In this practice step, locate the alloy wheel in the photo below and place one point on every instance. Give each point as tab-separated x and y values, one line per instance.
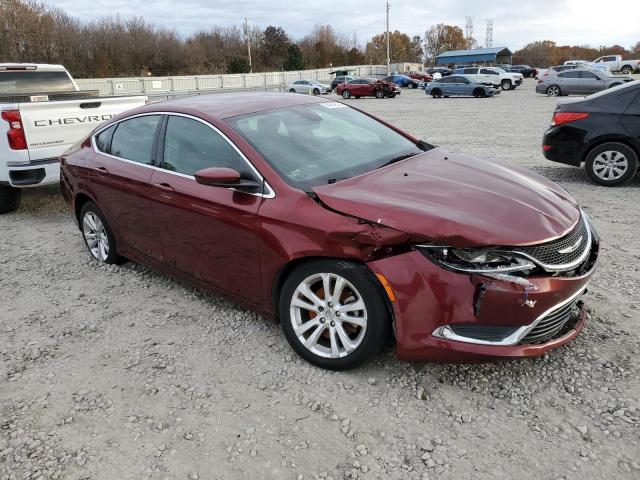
328	315
96	236
610	165
553	91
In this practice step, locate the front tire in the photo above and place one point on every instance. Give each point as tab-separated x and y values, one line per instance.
626	70
505	85
292	90
554	91
9	199
97	235
436	93
316	91
479	93
333	314
346	94
611	164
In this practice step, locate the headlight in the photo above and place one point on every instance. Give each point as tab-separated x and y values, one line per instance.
476	260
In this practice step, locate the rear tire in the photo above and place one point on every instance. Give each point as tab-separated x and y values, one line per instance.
97	235
626	70
9	199
379	93
436	93
554	91
327	321
611	164
346	94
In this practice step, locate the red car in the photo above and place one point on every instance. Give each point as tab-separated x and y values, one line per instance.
338	225
367	87
420	76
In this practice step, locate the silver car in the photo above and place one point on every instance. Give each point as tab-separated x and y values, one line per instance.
578	81
308	86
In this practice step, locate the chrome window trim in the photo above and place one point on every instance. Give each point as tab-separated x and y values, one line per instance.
269	192
445	331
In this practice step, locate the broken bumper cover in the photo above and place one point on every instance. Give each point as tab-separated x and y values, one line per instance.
430	300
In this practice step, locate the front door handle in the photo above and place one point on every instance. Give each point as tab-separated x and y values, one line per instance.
165	187
102	170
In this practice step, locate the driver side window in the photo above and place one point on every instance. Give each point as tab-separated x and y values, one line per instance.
190	145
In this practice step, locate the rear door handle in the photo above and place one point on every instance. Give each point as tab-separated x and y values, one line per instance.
165	187
101	170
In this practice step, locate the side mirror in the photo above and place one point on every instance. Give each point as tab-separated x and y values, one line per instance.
225	177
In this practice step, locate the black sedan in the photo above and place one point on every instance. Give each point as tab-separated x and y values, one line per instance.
525	70
444	71
602	130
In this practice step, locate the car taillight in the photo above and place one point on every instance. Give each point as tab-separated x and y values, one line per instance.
560	118
15	134
540	81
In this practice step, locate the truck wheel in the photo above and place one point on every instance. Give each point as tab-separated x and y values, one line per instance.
611	164
506	85
626	70
9	198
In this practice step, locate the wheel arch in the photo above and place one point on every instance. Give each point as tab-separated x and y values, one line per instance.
78	202
608	139
283	273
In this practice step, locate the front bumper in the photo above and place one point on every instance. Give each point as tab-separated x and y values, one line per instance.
429	297
33	174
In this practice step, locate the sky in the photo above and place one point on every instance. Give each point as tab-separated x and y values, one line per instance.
515	22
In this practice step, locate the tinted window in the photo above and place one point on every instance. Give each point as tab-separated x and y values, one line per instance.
191	145
470	70
35	82
133	139
486	71
447	79
589	75
104	138
570	75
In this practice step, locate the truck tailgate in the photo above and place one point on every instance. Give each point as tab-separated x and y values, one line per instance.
52	127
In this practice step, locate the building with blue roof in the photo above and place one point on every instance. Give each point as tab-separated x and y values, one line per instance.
476	56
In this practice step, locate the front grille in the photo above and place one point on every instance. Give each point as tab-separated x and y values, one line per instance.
489	333
549	253
553	323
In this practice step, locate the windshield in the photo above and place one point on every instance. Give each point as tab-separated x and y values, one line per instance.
17	82
319	143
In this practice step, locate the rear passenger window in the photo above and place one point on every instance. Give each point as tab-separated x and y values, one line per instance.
190	146
133	139
104	138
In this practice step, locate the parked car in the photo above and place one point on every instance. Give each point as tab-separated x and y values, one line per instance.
423	76
460	85
494	75
338	226
403	81
309	87
340	79
524	70
444	71
602	131
368	87
43	113
616	64
578	81
586	64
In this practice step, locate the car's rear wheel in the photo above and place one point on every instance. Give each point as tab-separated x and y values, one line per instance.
611	164
333	314
379	93
292	90
411	85
436	93
553	91
505	85
346	94
478	93
9	198
316	91
626	70
97	234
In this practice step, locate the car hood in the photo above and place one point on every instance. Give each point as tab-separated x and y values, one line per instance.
457	200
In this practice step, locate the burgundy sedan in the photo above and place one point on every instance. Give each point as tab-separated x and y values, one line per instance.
338	225
367	87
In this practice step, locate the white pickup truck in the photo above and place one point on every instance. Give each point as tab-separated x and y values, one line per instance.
617	64
42	114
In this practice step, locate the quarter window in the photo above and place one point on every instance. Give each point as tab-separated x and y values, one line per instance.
133	139
103	139
191	145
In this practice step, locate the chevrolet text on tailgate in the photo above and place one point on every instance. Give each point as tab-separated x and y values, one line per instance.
43	113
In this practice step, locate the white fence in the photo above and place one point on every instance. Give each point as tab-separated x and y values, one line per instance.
192	85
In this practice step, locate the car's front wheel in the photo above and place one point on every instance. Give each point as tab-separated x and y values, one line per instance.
611	164
97	234
626	70
436	93
479	93
316	91
379	93
292	90
506	85
346	94
333	314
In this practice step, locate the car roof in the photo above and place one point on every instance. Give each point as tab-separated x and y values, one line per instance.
217	106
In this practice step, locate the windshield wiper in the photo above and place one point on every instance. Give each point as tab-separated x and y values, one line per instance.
398	159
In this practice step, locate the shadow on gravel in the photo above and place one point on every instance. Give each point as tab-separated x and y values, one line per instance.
568	174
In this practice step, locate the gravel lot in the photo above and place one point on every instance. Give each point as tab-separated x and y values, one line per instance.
120	372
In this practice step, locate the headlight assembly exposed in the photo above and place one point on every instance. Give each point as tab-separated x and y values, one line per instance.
476	260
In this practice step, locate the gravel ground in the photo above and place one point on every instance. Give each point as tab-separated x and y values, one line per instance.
120	372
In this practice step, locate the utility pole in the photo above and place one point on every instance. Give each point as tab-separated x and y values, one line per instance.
488	41
248	39
388	59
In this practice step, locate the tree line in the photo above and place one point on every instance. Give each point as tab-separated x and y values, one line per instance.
115	46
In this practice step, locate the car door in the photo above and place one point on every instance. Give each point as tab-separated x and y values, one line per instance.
119	177
591	83
631	118
209	233
569	82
